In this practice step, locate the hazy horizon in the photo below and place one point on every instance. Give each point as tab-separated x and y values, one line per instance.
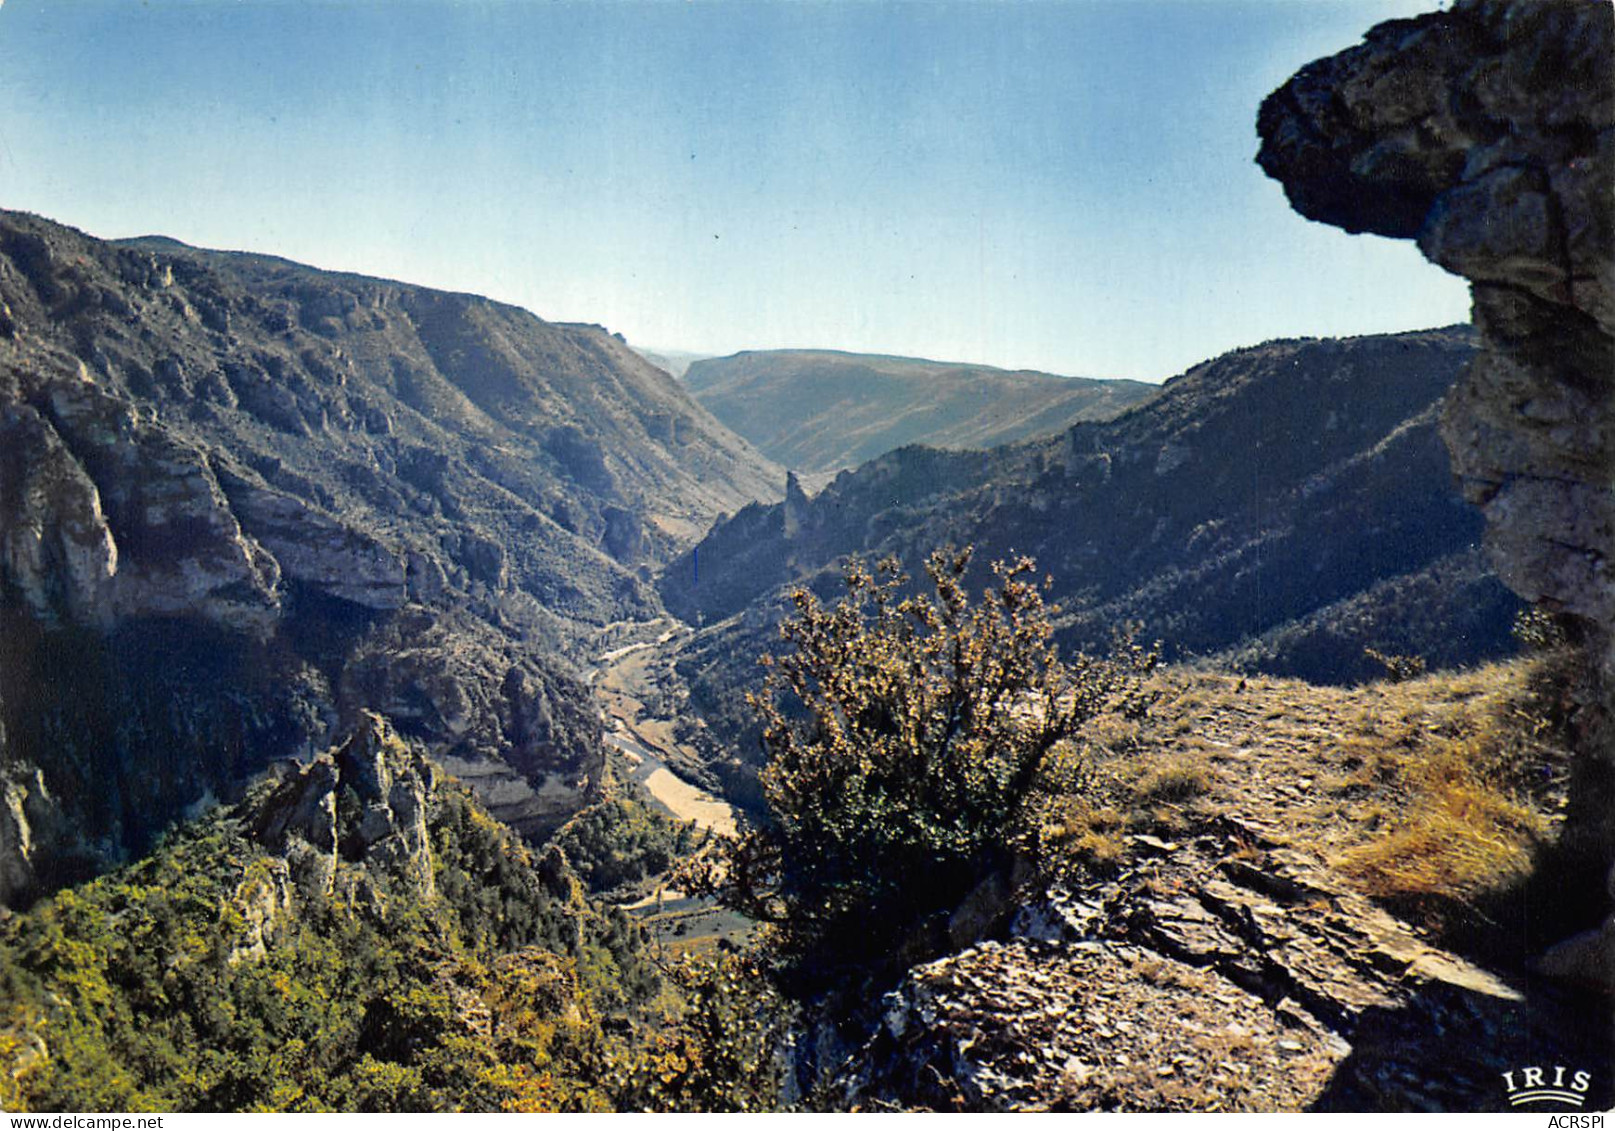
1067	187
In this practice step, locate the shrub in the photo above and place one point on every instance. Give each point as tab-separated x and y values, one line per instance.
911	740
1398	668
1537	630
721	1051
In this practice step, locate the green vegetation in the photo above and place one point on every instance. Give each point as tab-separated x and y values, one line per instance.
1537	630
933	737
722	1053
144	990
621	841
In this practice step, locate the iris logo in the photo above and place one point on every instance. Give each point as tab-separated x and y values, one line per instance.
1543	1085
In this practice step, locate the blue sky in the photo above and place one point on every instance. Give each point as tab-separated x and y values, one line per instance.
1058	185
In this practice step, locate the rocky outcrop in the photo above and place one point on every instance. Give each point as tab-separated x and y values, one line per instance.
107	516
494	713
1222	973
56	552
364	802
312	547
263	899
1487	134
29	822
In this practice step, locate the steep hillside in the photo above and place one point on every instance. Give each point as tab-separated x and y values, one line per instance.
356	935
241	500
1296	488
820	410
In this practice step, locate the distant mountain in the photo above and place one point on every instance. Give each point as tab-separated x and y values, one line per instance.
675	362
1290	502
820	410
242	500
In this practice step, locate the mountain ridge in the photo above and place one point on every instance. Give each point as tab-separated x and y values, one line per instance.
819	411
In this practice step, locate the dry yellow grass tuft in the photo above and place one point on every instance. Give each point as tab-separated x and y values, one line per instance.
1075	830
1467	820
1175	781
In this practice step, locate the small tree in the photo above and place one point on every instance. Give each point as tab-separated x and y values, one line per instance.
928	729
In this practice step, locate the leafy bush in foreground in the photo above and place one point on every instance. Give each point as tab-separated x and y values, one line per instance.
934	729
